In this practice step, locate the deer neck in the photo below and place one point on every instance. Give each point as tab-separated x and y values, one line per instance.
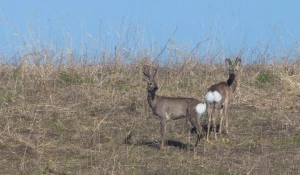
151	98
233	82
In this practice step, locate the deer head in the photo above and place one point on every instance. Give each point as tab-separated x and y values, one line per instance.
151	83
232	69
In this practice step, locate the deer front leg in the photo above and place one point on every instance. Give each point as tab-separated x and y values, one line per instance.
163	130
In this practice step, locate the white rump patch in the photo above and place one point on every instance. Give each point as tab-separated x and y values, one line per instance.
218	96
200	108
209	97
214	96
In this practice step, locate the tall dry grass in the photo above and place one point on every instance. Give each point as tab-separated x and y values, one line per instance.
72	117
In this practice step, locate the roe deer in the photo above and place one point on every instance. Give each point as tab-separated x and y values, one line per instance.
168	108
219	95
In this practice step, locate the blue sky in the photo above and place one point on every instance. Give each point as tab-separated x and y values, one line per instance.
136	24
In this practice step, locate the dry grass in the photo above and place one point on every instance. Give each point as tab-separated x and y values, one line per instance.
75	120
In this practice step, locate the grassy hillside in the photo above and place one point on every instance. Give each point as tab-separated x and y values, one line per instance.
75	118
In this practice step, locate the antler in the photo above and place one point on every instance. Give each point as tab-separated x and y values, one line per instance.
146	71
237	60
155	71
228	60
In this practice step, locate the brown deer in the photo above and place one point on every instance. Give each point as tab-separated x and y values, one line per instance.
219	95
168	108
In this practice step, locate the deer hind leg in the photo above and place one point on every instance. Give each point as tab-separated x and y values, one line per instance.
214	127
226	118
213	120
188	127
200	132
194	122
221	121
209	114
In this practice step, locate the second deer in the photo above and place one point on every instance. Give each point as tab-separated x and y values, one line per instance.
168	108
219	95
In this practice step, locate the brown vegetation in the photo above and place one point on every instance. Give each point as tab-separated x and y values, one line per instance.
82	119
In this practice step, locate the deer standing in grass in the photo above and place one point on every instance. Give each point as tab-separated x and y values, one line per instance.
168	108
219	95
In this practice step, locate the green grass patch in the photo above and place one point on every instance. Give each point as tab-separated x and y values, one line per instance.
287	143
265	78
224	173
122	85
6	96
71	77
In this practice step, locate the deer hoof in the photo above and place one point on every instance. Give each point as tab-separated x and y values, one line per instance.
208	141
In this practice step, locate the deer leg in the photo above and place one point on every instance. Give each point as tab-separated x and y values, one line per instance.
163	130
221	121
226	118
198	138
203	139
188	125
210	118
187	116
214	127
194	122
209	112
200	133
192	119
